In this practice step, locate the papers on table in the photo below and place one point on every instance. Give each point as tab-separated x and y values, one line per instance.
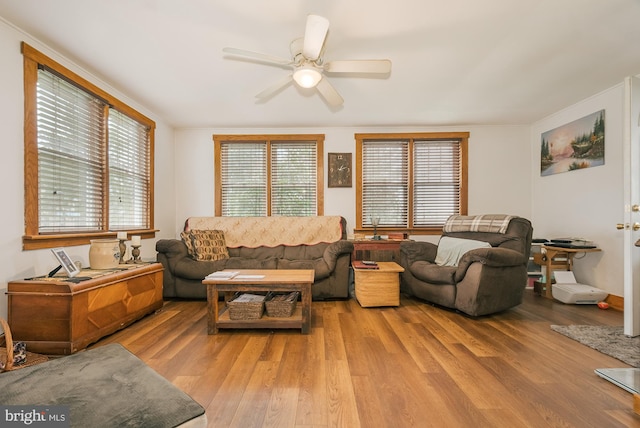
231	275
222	275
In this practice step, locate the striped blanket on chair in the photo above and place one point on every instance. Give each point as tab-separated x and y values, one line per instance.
492	223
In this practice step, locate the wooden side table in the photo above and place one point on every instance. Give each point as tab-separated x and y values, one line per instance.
378	287
557	258
55	316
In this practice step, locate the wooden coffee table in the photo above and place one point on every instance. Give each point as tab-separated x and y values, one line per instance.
260	280
378	287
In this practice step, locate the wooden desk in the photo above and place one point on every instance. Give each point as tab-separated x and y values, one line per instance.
55	316
557	258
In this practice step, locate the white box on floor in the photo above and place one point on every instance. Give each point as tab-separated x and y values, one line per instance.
567	290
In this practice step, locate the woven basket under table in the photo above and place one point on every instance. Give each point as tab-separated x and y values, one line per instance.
281	305
245	310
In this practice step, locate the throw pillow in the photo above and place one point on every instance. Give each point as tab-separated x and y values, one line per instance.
451	250
209	245
186	238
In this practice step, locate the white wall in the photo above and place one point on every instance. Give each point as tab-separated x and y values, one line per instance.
499	168
14	262
588	202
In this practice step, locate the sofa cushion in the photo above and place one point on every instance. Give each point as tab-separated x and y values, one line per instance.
209	245
450	250
247	263
320	268
432	273
189	268
259	253
304	252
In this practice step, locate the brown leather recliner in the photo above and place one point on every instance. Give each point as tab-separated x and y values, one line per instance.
484	280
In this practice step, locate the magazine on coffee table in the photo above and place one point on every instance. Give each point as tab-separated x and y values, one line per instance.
222	275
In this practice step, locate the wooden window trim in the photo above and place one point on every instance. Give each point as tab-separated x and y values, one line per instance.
268	138
32	240
463	137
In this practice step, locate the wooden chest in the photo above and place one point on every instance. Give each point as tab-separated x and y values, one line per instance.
54	316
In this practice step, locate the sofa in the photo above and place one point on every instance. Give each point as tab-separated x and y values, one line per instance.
210	244
478	267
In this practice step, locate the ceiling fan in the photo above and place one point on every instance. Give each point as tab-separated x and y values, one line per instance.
308	65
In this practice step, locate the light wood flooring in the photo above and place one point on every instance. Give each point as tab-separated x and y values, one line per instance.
412	366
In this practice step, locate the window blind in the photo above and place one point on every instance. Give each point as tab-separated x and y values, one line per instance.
385	183
436	182
71	148
244	179
293	179
75	144
129	175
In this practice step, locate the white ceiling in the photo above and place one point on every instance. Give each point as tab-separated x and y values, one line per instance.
454	62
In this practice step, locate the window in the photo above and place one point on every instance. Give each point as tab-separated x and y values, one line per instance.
411	182
88	159
128	173
268	175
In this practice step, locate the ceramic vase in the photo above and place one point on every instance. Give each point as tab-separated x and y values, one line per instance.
104	253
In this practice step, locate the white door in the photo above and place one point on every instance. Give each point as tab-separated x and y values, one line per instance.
632	207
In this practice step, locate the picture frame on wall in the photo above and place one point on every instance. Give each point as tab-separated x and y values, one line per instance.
574	146
340	170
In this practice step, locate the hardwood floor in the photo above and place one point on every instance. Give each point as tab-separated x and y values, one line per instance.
414	365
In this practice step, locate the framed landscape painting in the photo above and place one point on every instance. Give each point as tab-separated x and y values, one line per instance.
576	145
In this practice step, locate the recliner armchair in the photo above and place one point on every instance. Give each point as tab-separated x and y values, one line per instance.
479	266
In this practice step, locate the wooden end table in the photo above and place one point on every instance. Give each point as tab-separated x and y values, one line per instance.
260	280
378	287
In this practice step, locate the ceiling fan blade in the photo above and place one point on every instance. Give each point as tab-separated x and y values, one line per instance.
315	34
329	93
381	66
258	56
276	87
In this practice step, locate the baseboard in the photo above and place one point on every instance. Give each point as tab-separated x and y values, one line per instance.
615	302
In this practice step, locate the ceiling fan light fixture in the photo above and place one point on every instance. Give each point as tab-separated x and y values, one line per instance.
306	76
308	66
